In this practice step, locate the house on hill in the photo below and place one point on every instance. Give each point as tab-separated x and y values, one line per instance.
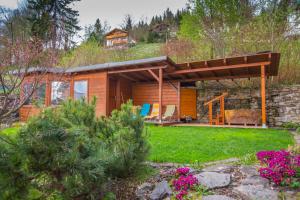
118	38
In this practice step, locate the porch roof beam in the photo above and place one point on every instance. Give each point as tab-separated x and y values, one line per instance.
136	69
224	67
218	78
153	74
127	77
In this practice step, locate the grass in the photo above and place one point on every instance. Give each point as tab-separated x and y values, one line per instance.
10	132
144	50
203	144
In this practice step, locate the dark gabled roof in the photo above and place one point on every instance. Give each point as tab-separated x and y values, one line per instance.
115	29
54	70
113	65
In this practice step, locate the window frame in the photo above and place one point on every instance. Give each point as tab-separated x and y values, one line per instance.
87	88
51	91
34	95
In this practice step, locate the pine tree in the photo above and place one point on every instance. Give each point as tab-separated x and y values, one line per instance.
127	23
53	20
97	31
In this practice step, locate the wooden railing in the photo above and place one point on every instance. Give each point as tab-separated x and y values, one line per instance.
220	118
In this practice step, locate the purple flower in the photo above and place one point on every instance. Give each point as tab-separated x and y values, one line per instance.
184	182
183	170
278	166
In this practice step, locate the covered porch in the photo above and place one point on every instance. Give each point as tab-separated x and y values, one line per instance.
162	81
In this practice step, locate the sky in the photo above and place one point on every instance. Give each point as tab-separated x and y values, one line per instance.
114	11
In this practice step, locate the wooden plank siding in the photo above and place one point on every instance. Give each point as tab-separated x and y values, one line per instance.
27	111
148	93
125	90
97	87
119	93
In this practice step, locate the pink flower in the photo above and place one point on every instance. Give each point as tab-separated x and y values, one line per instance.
279	166
183	171
184	182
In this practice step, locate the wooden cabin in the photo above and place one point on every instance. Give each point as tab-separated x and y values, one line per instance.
151	80
118	38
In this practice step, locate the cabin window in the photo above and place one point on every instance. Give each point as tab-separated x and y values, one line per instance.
80	89
38	96
60	91
27	89
109	43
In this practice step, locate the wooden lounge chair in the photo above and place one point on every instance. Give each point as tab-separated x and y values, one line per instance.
169	113
154	112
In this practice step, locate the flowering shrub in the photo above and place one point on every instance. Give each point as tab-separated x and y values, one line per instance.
183	171
282	167
184	182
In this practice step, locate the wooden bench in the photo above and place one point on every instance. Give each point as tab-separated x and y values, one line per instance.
243	116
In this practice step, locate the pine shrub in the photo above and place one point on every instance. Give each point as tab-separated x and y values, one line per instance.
68	152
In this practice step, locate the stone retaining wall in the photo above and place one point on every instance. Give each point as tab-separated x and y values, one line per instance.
283	103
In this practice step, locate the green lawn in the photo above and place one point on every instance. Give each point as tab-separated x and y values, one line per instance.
202	144
10	132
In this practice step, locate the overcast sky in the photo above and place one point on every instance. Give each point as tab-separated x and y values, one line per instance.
113	11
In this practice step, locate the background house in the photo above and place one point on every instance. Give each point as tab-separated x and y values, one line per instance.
118	38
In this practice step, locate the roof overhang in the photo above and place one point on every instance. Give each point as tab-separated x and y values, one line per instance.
146	70
246	66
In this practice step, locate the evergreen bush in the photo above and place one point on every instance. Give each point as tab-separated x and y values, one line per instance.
68	152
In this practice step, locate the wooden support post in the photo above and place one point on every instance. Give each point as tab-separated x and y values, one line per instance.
48	92
263	97
222	110
72	88
210	113
160	83
118	94
178	96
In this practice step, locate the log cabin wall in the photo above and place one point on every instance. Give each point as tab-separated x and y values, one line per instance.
119	92
125	90
29	110
148	93
97	87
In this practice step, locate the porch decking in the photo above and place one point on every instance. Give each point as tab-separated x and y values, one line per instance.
208	125
198	124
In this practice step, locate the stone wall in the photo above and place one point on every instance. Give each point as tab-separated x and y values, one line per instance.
283	103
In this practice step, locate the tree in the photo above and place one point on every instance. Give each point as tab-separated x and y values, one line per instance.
213	19
69	153
53	20
127	23
17	60
96	31
14	24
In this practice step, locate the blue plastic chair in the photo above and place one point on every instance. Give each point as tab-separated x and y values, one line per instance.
145	109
